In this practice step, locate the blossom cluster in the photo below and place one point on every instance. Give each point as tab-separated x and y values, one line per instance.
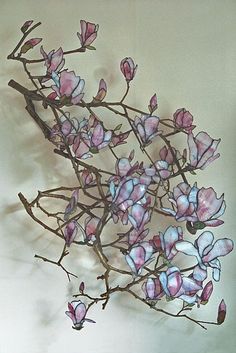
130	193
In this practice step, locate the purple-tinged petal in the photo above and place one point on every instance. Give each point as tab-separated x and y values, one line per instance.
221	312
221	247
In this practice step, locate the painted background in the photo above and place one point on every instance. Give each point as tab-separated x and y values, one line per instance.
186	52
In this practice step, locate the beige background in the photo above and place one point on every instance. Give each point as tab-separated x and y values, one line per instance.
186	53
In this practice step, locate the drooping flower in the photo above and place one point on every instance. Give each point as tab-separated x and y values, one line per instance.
54	62
68	86
221	312
152	289
70	232
128	68
153	104
177	286
183	119
147	127
90	228
199	206
77	313
168	240
139	256
102	91
88	33
202	150
206	253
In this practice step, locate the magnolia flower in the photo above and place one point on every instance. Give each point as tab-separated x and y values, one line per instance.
90	228
70	232
177	286
77	312
139	256
152	289
69	86
183	120
123	168
158	171
202	150
102	91
200	206
221	312
138	216
80	147
133	236
147	127
87	177
166	155
128	68
206	253
54	61
88	33
99	138
72	205
168	240
153	104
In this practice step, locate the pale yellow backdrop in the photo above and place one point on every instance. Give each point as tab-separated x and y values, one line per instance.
186	52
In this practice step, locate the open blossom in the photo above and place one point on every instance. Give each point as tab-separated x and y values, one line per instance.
99	138
160	170
199	206
70	232
68	85
183	120
177	286
77	313
81	147
138	216
168	240
128	68
147	127
139	256
88	33
202	150
152	289
54	61
207	254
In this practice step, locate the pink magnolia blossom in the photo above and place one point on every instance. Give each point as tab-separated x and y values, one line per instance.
160	170
166	155
153	104
81	147
199	206
147	127
168	240
68	85
133	236
206	253
138	216
99	138
77	313
177	286
221	312
102	91
54	61
202	150
88	33
183	120
128	68
152	289
70	232
139	256
90	226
